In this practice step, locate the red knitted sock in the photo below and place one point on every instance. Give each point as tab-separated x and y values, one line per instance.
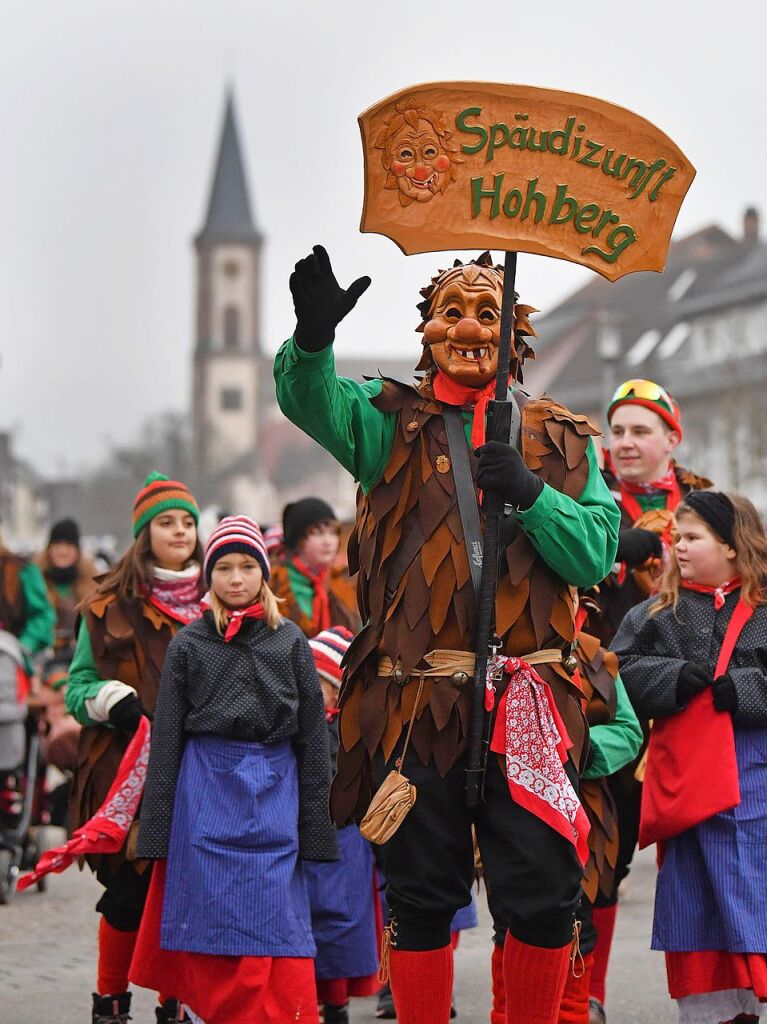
535	978
604	922
115	953
574	1008
498	1010
422	984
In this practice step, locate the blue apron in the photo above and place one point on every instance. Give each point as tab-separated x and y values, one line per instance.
341	895
233	885
712	885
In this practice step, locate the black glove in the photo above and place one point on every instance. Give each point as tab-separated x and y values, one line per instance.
502	469
635	546
692	679
126	713
319	301
725	694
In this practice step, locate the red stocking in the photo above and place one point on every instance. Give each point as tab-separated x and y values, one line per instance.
535	980
422	984
498	1011
115	953
604	922
574	1008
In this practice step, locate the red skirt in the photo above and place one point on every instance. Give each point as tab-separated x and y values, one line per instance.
230	989
691	974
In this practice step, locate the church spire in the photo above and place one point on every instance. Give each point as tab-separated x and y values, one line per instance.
229	217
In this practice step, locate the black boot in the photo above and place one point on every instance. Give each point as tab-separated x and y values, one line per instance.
111	1009
171	1013
385	1006
334	1014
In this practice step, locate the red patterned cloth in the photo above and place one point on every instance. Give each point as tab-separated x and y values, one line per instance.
177	594
107	830
530	732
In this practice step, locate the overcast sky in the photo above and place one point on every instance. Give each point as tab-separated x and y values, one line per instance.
110	113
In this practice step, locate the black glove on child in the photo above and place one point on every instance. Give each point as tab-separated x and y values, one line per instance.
502	469
319	301
692	679
635	546
126	713
725	694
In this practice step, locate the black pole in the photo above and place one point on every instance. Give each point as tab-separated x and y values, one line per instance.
499	422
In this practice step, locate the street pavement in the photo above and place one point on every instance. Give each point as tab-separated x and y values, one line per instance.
48	957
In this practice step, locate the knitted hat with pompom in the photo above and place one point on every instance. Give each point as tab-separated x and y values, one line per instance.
159	494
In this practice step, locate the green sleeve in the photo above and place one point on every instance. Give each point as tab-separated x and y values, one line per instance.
39	614
617	743
335	411
84	680
577	539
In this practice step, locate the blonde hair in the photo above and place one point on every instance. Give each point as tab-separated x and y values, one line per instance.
748	540
271	603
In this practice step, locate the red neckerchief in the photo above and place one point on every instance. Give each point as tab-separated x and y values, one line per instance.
321	602
452	393
630	490
237	617
718	592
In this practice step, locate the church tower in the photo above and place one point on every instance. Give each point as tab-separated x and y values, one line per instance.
226	356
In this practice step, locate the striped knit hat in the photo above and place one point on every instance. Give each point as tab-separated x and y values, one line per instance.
328	648
236	535
159	494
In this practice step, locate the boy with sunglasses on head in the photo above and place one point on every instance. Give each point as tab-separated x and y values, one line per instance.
645	430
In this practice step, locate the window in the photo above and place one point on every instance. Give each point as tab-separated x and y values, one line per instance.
231	399
231	327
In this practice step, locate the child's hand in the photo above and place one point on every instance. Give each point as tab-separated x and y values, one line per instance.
692	680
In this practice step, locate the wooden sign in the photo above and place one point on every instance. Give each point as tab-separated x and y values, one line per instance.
473	165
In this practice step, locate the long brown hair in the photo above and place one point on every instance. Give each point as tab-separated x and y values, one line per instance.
749	541
131	576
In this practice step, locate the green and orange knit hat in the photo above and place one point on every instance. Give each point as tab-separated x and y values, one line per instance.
650	395
158	495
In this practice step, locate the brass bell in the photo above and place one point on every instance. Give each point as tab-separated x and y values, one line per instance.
570	664
460	678
399	675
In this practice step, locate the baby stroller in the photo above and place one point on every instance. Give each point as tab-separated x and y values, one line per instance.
21	779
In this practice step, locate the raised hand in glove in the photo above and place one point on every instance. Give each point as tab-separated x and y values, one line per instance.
692	680
725	694
636	545
126	714
502	469
319	301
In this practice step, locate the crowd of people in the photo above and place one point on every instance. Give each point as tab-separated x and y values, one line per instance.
251	715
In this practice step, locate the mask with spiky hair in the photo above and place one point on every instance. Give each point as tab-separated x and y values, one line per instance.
461	324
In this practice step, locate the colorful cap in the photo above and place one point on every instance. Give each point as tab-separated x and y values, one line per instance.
651	396
158	495
328	648
239	535
274	538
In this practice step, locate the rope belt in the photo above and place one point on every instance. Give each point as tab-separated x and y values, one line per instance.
455	663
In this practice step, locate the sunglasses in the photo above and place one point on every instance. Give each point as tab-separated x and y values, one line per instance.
646	389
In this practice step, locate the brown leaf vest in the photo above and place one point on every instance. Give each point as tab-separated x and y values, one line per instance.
129	640
598	670
433	604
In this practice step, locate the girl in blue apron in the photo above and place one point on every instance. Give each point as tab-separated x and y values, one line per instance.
236	798
694	659
343	897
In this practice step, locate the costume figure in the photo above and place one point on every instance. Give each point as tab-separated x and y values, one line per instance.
694	660
646	482
236	797
413	657
139	606
315	592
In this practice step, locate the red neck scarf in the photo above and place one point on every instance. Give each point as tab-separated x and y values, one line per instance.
238	616
718	592
452	393
631	491
321	601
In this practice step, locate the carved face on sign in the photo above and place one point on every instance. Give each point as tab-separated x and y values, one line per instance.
462	324
417	153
